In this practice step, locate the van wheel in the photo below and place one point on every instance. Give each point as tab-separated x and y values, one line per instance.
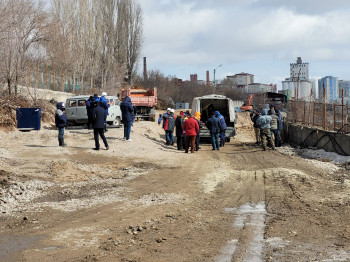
116	122
228	139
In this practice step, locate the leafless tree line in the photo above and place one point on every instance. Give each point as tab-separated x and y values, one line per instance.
99	39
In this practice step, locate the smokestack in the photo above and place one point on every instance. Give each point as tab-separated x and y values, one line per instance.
208	80
144	69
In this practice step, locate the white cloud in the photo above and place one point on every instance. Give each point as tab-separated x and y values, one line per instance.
259	37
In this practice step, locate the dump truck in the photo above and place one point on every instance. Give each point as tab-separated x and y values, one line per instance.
144	102
209	103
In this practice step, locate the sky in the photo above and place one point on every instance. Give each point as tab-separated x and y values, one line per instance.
260	37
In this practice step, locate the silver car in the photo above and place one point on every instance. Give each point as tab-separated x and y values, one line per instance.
77	113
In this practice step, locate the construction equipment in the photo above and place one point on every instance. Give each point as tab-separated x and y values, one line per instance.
249	105
143	100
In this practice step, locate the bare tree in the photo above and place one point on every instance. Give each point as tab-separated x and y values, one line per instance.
21	25
129	27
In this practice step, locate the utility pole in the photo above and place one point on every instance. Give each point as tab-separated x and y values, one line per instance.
214	83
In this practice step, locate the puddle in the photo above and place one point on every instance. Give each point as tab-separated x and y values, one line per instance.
248	215
10	245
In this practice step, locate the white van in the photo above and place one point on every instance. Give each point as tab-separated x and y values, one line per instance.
77	113
206	104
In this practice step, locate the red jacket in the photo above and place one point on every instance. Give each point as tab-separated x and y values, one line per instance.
191	127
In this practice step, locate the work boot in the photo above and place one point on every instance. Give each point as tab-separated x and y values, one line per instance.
63	144
59	142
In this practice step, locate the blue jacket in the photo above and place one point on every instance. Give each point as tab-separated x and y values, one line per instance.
264	120
60	116
221	118
104	104
127	109
98	116
213	124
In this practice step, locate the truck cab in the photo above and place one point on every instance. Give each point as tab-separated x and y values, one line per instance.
209	103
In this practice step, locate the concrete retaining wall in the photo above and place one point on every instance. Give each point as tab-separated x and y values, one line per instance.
311	137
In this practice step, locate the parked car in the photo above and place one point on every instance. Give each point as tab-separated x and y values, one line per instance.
206	104
77	114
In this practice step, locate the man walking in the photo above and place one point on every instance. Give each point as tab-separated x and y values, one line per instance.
98	114
127	115
191	128
213	124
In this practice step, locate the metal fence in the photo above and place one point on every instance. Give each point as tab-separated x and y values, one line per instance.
330	117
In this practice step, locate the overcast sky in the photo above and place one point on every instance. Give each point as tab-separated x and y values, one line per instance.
260	37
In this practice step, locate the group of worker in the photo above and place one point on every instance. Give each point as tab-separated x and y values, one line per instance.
268	125
97	111
187	128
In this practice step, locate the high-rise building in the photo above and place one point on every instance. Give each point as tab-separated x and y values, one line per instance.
242	79
344	84
299	70
298	84
331	86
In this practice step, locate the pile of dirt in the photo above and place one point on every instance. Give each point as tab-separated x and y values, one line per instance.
9	104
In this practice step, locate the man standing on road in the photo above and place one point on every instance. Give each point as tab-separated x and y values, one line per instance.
213	124
179	131
169	127
89	107
274	126
191	129
264	122
98	115
61	122
223	127
127	115
254	117
105	105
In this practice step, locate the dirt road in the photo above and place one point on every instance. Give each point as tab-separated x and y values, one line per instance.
144	201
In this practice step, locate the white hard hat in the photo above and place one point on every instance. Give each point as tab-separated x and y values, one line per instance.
62	104
172	110
104	93
168	109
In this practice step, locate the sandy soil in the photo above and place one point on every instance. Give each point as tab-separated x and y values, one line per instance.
145	201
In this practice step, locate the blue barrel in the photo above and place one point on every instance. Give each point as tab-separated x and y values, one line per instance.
28	118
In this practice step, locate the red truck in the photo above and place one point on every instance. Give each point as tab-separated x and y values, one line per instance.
144	102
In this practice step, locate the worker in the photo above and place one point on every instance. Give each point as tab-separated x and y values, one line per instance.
254	117
89	107
223	128
191	129
61	122
197	117
213	124
274	126
127	114
280	127
180	136
105	106
98	116
264	122
169	126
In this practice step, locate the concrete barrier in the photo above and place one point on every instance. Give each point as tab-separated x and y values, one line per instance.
312	137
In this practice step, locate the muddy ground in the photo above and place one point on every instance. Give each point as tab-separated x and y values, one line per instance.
145	201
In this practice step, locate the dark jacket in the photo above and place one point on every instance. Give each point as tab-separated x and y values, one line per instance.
127	109
89	105
178	124
255	118
221	118
213	124
98	116
60	116
104	104
169	122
